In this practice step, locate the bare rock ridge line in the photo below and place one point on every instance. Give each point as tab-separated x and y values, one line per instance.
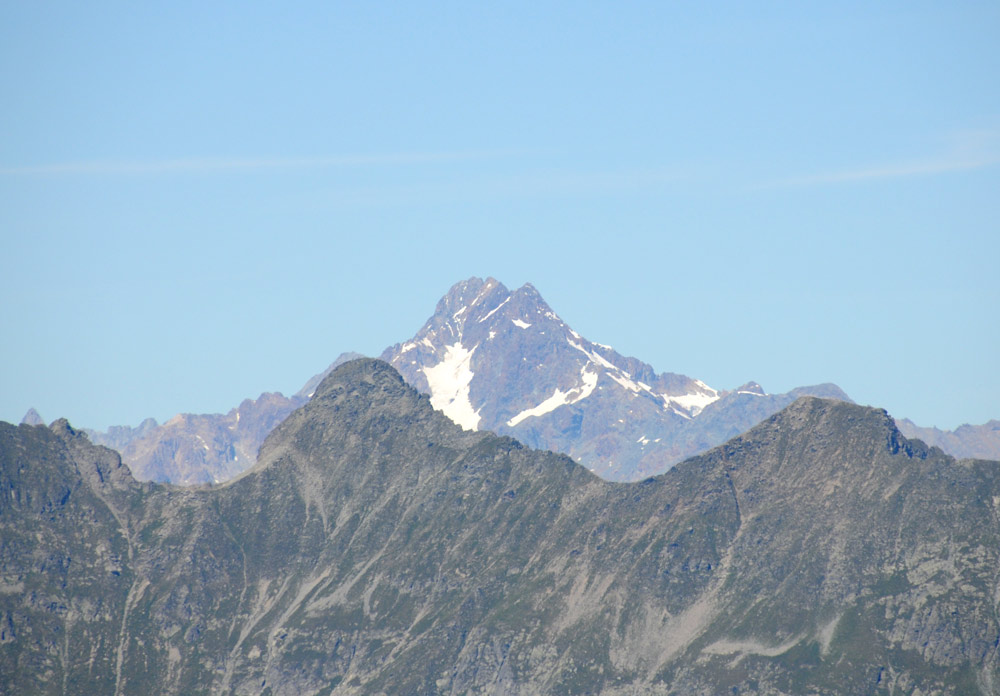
376	547
502	360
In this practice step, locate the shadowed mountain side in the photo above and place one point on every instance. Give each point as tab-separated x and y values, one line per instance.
376	547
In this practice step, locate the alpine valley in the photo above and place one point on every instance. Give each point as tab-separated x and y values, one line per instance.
493	359
377	547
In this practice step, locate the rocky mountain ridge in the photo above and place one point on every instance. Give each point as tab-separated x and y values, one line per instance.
504	361
378	548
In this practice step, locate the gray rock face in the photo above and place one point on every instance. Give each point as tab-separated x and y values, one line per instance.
378	548
493	359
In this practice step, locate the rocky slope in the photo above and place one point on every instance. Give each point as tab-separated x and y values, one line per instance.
377	548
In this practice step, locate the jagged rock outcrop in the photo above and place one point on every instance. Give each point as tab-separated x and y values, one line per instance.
378	548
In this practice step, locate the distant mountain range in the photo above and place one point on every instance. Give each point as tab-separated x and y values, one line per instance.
192	449
965	442
378	548
501	360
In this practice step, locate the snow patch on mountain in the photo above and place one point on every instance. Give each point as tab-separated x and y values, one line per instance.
627	383
521	324
693	403
449	382
686	405
560	398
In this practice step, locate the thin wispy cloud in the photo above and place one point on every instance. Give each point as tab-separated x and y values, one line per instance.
891	171
208	165
969	150
520	185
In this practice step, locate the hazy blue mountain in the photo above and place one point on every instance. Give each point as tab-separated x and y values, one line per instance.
118	437
972	441
378	548
205	448
32	417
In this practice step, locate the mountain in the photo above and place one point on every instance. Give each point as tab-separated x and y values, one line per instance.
492	359
192	449
32	417
498	360
378	548
118	437
971	441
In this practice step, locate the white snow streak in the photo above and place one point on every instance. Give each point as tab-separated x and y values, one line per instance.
560	398
595	357
686	405
449	382
494	310
522	324
626	383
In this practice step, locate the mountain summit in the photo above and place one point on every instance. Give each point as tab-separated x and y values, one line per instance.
493	359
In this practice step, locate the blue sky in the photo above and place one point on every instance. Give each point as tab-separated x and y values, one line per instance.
203	201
